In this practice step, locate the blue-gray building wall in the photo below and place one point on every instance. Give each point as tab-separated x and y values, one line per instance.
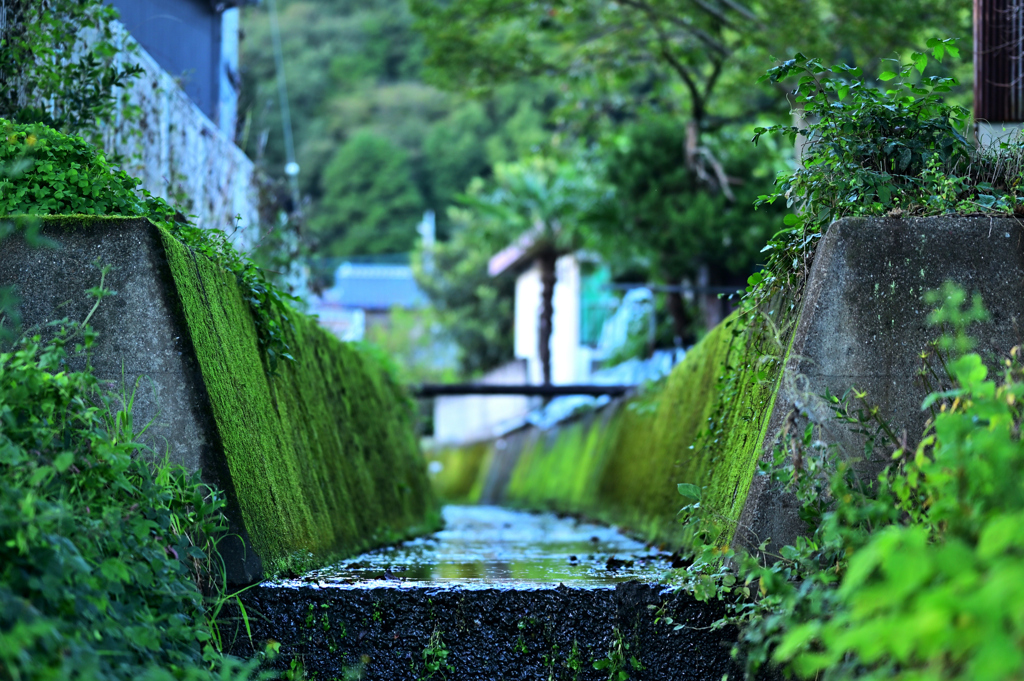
184	37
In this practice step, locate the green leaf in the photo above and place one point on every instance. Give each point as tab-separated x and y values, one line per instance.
115	570
796	640
64	461
886	76
920	61
998	534
689	490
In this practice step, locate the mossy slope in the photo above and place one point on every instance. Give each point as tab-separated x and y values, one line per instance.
623	467
322	456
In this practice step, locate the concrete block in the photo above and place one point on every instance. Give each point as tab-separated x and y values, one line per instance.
863	324
143	345
317	461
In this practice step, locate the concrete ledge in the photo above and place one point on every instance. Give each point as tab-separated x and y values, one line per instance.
490	634
864	323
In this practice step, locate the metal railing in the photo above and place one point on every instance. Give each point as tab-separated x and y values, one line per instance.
436	390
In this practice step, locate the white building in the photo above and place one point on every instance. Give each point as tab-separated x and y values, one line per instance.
580	305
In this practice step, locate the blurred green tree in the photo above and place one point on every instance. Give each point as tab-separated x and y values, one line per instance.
547	206
355	67
699	58
370	203
664	215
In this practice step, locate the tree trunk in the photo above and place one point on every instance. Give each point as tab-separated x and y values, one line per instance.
680	318
546	262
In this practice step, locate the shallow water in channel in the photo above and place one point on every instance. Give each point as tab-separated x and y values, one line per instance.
484	546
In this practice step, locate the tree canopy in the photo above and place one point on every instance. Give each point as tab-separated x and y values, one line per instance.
353	69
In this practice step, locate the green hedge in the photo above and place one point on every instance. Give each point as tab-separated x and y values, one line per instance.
322	454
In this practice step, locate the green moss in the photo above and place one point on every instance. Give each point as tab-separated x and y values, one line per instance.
322	455
623	467
459	474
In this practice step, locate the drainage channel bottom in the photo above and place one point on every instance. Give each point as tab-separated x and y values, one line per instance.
497	595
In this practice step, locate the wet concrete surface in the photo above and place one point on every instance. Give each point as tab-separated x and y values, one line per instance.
498	595
487	546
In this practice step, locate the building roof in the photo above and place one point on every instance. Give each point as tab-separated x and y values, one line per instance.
373	287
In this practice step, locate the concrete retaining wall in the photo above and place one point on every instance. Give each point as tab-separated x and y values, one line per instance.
318	461
864	324
623	463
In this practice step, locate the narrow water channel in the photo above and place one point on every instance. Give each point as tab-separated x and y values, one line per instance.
486	546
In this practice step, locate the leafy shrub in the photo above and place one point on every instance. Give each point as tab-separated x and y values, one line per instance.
54	174
60	65
101	550
913	575
929	584
108	568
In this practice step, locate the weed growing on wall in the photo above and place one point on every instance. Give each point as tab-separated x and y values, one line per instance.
912	575
889	149
56	174
59	64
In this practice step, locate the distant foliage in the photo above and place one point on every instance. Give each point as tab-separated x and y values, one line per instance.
666	212
370	203
474	309
354	71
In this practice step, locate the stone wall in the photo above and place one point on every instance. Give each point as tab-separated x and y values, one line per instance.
862	323
181	155
621	464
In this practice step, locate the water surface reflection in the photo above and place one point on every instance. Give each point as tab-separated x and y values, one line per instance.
483	545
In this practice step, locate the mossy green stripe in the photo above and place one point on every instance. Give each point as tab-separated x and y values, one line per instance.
323	455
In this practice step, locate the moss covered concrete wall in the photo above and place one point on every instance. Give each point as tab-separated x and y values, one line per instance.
318	461
322	455
622	465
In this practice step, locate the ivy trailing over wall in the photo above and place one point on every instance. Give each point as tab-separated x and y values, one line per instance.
55	174
59	64
895	149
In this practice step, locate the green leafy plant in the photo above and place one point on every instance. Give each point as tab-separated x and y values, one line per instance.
61	62
574	662
868	149
618	661
435	657
912	575
103	550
